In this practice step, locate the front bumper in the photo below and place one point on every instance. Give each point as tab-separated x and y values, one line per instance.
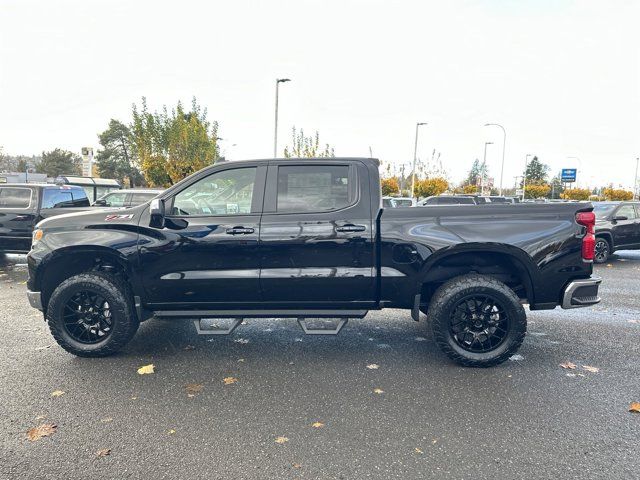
35	299
581	293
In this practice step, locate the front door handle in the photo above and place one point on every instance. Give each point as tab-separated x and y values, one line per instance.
351	228
240	231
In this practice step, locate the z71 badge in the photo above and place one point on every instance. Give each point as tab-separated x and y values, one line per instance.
111	218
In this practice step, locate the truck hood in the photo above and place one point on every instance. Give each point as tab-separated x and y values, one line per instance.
93	217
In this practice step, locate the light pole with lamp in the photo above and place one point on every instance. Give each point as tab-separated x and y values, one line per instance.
275	135
484	167
524	178
504	145
635	181
415	156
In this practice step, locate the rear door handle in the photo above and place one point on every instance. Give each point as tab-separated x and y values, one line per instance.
239	231
351	228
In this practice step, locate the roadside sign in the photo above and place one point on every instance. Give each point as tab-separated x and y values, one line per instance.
568	174
519	192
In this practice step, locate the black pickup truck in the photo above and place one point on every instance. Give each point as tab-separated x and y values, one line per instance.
22	205
307	238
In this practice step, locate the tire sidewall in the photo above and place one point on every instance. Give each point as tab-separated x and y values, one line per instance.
120	329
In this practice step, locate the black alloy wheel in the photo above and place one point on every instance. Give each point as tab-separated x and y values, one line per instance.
479	323
87	317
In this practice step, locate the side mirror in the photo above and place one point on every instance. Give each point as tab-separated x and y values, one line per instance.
156	213
101	202
620	217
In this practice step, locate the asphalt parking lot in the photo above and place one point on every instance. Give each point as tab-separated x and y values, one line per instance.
378	401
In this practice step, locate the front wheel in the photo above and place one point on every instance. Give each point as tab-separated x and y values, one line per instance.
602	251
477	321
92	315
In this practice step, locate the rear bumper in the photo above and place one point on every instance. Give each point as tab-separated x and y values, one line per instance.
35	299
581	293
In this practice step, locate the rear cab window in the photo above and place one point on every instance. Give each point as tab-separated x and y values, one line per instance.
64	197
15	197
314	188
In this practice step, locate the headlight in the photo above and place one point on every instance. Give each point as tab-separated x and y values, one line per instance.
36	237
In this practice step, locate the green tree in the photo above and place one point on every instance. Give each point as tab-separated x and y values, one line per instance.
60	162
477	172
536	172
172	146
22	165
118	158
307	147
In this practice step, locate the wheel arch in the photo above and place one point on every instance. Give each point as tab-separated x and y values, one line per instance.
506	263
68	261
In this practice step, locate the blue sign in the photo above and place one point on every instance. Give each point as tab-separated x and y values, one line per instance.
568	174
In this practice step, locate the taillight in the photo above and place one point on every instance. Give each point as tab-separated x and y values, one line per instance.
588	220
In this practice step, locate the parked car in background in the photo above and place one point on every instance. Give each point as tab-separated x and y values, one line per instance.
448	200
94	187
617	228
396	202
127	198
22	205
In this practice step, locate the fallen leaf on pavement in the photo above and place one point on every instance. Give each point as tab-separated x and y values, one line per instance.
57	393
241	340
373	366
193	388
418	450
378	391
569	365
591	369
296	465
609	265
282	440
44	430
171	432
106	420
241	360
103	452
229	380
317	424
634	407
420	339
189	347
146	369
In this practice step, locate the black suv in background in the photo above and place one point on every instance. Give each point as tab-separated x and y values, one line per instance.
617	228
22	205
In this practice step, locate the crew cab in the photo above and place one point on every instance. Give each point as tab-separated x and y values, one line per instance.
22	205
617	228
308	238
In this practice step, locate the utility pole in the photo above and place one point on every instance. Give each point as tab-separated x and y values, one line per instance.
415	156
524	178
275	135
635	181
484	167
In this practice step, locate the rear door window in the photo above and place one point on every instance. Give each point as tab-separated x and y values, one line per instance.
116	199
313	188
15	197
627	211
64	198
140	198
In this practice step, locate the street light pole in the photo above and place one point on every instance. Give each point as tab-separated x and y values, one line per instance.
635	181
524	178
504	145
484	167
415	156
275	135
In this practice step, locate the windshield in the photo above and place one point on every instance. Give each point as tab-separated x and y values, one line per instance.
602	211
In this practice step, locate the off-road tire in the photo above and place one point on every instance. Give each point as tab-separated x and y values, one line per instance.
449	295
604	254
120	298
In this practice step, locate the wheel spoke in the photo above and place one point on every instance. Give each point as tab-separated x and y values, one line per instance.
479	323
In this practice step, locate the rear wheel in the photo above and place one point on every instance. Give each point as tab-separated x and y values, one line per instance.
602	250
477	321
92	315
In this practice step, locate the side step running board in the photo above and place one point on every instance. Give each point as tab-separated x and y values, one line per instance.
322	331
207	326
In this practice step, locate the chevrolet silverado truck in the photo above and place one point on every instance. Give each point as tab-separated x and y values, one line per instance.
309	239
